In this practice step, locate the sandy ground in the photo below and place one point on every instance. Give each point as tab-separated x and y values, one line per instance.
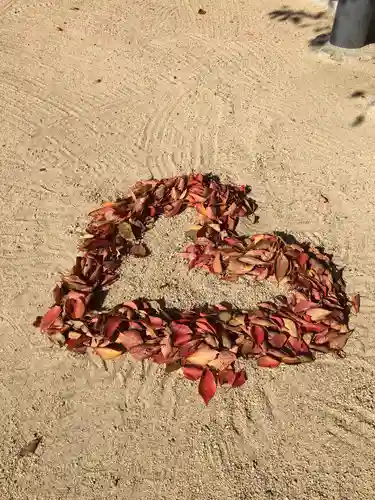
95	95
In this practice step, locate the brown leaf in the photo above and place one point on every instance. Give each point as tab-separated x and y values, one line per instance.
207	386
338	343
31	447
237	267
192	372
211	340
318	313
223	361
172	367
125	230
224	316
290	360
356	302
202	356
281	267
138	250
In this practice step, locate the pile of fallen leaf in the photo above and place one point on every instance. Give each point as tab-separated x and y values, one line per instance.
205	344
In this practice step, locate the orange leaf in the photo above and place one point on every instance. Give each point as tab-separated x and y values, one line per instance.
202	356
216	266
268	362
129	338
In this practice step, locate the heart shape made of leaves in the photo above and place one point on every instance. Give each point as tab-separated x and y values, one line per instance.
204	343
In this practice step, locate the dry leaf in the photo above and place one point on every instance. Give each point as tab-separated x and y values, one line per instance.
290	327
108	353
240	379
207	386
50	318
138	250
192	372
223	361
31	447
281	267
268	362
125	230
356	302
317	313
216	266
315	309
129	338
202	356
226	377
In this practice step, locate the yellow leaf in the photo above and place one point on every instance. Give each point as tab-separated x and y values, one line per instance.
290	327
109	352
317	313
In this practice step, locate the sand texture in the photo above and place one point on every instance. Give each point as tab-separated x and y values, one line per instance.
95	95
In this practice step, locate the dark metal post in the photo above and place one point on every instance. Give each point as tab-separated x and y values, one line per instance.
352	22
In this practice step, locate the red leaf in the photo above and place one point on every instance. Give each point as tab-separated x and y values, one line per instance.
277	339
129	339
268	362
298	346
180	329
258	334
49	318
207	386
182	339
240	379
356	302
111	325
77	308
143	351
205	326
155	322
226	377
303	305
192	372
